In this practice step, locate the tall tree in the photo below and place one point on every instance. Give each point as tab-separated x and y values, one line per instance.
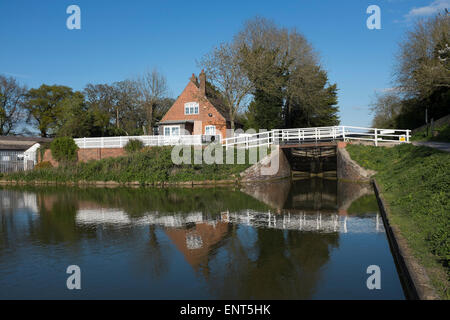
281	62
152	86
422	69
224	69
12	96
44	106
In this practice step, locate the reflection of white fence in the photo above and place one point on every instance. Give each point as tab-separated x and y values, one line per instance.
324	223
148	141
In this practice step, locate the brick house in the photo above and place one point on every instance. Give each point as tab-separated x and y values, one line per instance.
199	110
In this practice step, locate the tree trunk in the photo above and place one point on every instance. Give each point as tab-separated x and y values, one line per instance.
231	120
150	119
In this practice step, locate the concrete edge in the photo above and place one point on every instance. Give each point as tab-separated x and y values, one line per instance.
186	184
415	281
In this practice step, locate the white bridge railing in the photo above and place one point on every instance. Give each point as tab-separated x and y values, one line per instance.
302	135
276	136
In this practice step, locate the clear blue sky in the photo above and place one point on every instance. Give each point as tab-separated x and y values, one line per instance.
120	39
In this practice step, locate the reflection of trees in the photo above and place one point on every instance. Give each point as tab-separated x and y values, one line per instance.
57	218
314	194
288	265
279	264
156	255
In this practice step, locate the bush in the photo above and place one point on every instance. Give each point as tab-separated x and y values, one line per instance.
133	146
43	165
64	149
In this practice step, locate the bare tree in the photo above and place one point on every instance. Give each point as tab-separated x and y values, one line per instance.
12	111
152	86
224	68
386	107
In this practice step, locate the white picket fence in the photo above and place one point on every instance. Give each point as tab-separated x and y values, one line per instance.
148	141
276	136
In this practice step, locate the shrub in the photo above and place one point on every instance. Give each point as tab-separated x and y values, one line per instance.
64	149
43	165
133	146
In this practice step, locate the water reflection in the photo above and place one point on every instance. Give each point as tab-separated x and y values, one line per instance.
268	241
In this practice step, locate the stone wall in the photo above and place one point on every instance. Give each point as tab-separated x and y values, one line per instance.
348	169
267	168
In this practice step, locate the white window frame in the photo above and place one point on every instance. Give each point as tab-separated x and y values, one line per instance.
171	131
210	127
191	108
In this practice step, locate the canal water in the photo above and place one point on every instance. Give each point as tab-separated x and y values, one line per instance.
310	239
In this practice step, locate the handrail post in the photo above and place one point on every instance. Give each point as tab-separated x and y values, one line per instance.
407	136
343	133
376	137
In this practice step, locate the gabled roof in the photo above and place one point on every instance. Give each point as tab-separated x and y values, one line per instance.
19	142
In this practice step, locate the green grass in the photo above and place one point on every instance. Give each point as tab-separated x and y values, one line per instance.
443	134
152	165
415	182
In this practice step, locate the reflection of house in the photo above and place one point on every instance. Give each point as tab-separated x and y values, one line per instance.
199	110
197	243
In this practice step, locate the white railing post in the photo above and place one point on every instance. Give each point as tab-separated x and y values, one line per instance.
407	136
84	143
343	133
315	133
376	137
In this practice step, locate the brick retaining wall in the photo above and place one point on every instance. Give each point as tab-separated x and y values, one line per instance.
85	155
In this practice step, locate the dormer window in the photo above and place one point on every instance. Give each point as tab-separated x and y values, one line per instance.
191	108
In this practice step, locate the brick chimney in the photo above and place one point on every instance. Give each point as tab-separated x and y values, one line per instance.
194	79
202	87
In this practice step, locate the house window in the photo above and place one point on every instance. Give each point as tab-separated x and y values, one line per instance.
191	108
210	130
171	130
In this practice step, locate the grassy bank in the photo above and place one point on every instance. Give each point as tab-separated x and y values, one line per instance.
415	182
443	134
152	165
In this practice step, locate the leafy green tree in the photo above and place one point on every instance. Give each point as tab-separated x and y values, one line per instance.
44	106
290	88
422	71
